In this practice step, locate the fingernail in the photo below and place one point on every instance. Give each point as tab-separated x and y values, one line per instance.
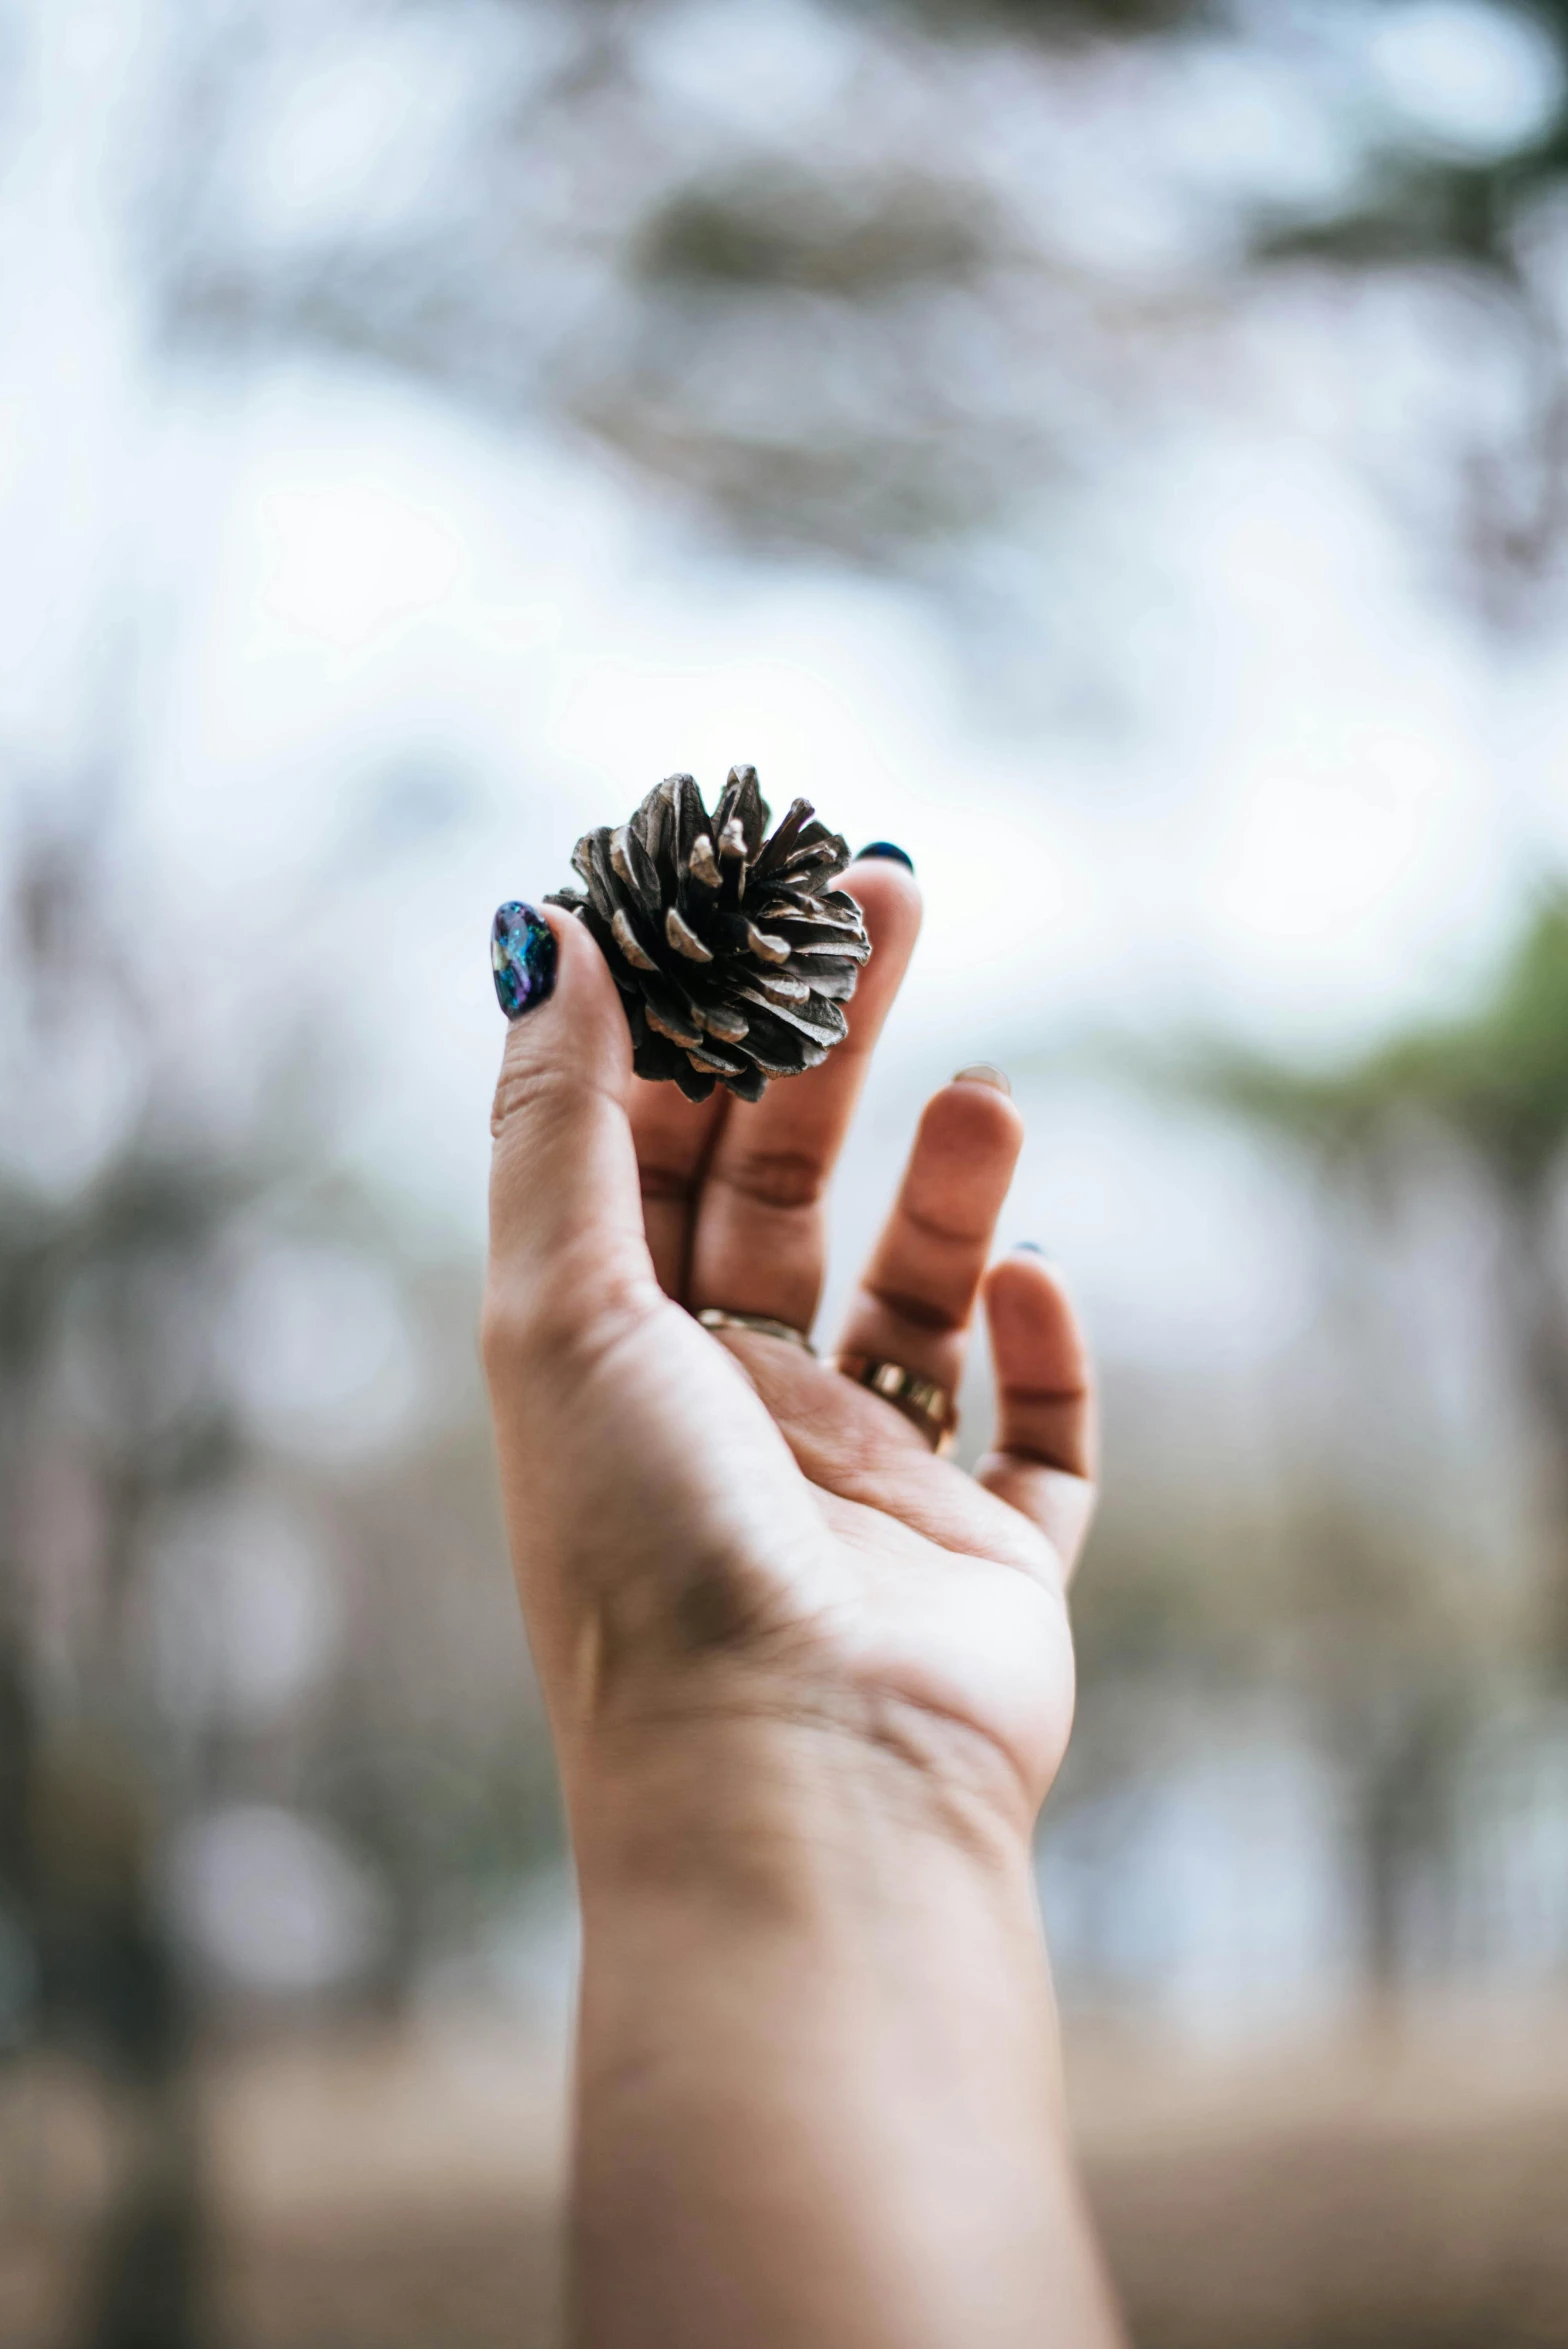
888	852
522	956
983	1074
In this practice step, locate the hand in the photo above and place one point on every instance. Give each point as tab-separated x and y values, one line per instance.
808	1686
712	1531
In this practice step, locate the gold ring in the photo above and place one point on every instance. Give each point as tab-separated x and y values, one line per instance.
923	1403
711	1317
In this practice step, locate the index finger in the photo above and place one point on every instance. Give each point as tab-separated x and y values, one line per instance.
674	1137
759	1242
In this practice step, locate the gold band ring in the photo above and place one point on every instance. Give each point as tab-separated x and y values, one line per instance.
923	1403
711	1317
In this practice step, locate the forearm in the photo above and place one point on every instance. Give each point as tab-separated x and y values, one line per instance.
818	2089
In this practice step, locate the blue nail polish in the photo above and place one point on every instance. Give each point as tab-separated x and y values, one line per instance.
522	956
886	850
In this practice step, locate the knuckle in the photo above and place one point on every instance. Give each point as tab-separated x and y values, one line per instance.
933	1316
538	1090
1025	1399
559	1323
787	1179
947	1231
502	1337
664	1185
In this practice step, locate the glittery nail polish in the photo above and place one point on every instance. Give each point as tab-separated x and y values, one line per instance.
886	850
522	956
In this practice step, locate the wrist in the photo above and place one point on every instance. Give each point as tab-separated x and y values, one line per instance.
789	1809
815	2009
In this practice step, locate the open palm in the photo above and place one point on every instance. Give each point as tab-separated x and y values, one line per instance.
708	1521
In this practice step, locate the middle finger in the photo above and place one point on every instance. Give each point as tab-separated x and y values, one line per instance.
920	1289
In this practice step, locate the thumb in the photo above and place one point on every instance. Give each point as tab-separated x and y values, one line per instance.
567	1250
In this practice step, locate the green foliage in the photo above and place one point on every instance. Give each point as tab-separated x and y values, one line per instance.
1056	20
786	230
1421	209
1496	1076
605	257
1417	206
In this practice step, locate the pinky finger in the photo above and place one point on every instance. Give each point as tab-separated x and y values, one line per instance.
1044	1460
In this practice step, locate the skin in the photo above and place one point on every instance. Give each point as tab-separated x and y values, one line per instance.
809	1686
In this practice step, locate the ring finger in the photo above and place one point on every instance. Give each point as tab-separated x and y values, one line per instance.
917	1299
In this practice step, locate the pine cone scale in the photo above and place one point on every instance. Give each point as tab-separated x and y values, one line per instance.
684	939
821	1029
632	866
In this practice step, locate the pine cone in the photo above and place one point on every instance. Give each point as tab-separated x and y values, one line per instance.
731	950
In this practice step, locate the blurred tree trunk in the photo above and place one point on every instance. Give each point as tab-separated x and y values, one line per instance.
77	1796
1538	1314
111	1984
1409	1753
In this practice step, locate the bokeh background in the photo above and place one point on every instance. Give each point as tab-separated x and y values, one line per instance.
1118	450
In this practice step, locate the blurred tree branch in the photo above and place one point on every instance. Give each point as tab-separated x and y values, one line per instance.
861	343
882	325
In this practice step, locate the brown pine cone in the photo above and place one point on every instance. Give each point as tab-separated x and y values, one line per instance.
731	950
